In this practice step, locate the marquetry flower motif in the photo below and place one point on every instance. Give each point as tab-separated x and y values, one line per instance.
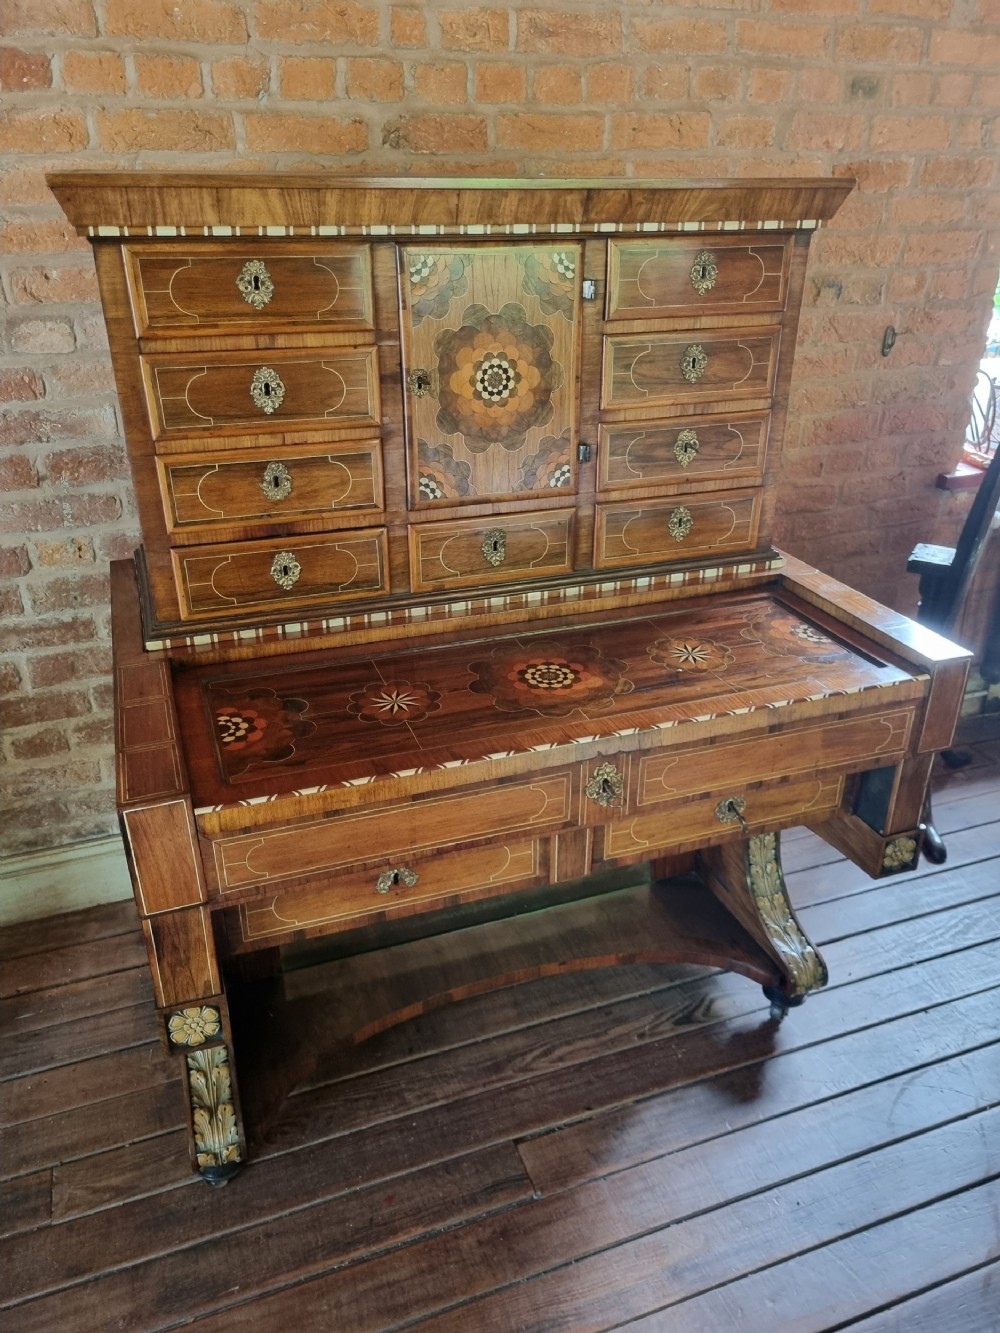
193	1027
551	276
496	376
260	726
442	476
691	654
394	704
809	633
554	679
435	280
551	468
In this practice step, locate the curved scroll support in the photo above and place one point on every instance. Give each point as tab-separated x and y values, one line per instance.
747	878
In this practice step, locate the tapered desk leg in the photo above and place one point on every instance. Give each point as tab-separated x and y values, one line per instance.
747	878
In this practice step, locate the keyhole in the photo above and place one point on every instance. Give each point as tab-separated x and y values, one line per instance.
606	788
267	389
286	571
495	546
701	271
256	282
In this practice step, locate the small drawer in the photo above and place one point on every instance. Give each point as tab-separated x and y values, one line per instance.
233	487
408	884
697	821
429	827
249	286
652	370
238	576
493	550
704	448
261	391
676	528
709	275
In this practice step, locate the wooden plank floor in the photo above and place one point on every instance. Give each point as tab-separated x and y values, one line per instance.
639	1149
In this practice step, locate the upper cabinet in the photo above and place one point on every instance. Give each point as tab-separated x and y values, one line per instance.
374	405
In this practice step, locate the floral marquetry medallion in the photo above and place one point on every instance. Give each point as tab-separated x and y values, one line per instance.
691	654
490	346
263	723
395	704
553	680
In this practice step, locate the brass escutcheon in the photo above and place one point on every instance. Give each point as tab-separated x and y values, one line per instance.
391	879
704	272
255	284
276	482
606	786
731	811
285	570
419	382
494	547
267	390
686	447
693	362
680	523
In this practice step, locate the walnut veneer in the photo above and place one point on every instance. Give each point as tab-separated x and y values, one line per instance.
457	585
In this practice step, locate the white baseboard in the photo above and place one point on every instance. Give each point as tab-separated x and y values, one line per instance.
63	879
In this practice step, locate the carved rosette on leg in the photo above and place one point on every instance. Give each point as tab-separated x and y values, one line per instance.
215	1130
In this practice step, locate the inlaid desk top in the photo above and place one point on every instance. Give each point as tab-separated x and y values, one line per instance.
304	725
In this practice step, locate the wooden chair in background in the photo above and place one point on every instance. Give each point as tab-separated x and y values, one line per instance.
946	574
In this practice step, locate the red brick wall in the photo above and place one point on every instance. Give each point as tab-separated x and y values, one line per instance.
902	94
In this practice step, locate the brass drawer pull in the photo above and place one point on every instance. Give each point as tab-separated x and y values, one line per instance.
680	523
687	447
267	390
255	284
731	811
285	570
494	547
693	362
704	272
606	786
392	879
276	482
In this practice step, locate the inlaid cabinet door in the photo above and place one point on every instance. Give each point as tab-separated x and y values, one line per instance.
490	340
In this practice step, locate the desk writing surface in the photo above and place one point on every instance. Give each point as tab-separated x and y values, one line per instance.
257	729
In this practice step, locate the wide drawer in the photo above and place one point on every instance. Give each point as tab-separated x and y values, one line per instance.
248	286
676	528
651	370
491	550
413	883
699	821
414	828
710	275
256	391
704	448
840	744
240	575
236	487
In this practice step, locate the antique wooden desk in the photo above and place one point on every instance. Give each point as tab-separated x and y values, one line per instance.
457	582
